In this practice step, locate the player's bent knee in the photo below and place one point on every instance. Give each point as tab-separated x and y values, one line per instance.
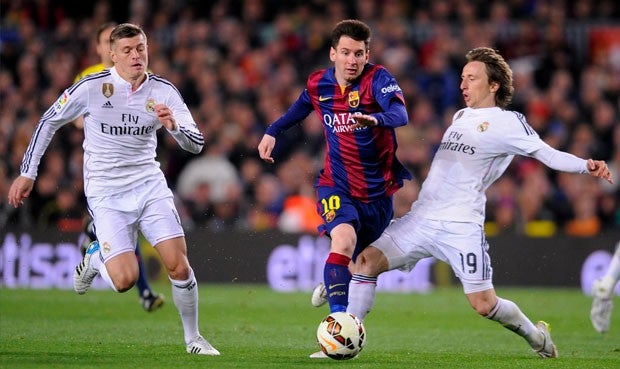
482	310
180	272
124	283
370	262
483	301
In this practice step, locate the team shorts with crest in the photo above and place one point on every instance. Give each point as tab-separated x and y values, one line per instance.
368	219
462	245
148	208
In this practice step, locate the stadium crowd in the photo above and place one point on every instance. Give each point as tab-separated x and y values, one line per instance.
240	64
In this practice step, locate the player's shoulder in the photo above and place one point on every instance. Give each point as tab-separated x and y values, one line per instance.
511	118
161	83
86	81
509	121
156	78
319	74
508	114
490	114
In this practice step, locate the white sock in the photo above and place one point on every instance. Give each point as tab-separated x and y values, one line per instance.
362	290
103	271
508	314
185	297
96	261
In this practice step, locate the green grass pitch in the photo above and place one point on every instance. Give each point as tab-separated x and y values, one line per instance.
254	327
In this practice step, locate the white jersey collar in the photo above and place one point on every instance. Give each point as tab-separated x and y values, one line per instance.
120	80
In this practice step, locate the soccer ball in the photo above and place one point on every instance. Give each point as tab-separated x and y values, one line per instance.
341	336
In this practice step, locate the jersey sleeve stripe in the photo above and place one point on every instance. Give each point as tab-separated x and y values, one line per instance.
24	168
191	132
526	127
192	136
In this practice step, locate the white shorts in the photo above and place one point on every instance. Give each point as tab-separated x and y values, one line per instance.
462	245
148	208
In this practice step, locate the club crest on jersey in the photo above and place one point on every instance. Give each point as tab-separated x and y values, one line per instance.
354	99
150	105
107	89
483	126
329	216
106	247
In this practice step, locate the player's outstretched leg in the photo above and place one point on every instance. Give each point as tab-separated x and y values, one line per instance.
508	314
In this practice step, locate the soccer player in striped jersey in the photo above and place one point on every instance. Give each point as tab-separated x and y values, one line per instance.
447	219
360	104
149	299
126	191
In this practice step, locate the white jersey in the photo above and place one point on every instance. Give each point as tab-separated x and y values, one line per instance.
474	151
119	129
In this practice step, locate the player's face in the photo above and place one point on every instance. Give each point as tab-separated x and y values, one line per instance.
130	57
103	46
477	92
349	59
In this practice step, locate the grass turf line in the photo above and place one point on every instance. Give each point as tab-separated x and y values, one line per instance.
254	327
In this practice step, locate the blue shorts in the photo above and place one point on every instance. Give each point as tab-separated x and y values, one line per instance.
368	219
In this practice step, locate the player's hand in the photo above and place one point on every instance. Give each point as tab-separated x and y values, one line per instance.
265	147
20	189
164	114
598	168
364	120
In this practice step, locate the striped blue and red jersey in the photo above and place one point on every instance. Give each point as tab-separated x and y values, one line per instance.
361	162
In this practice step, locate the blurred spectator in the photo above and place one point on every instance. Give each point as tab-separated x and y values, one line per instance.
264	212
241	63
534	194
502	209
65	213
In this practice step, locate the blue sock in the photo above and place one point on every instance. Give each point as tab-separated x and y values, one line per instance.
337	277
141	283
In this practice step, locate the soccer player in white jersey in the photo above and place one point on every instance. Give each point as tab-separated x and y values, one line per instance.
123	107
149	299
446	221
602	294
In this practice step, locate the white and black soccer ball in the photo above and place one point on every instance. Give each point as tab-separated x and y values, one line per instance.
341	336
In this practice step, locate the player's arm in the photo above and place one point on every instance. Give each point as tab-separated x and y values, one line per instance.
295	114
389	96
66	108
563	161
395	116
19	190
175	116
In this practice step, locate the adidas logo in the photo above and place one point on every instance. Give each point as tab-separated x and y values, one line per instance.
108	105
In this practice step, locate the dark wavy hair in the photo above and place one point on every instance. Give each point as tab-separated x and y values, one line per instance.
356	29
